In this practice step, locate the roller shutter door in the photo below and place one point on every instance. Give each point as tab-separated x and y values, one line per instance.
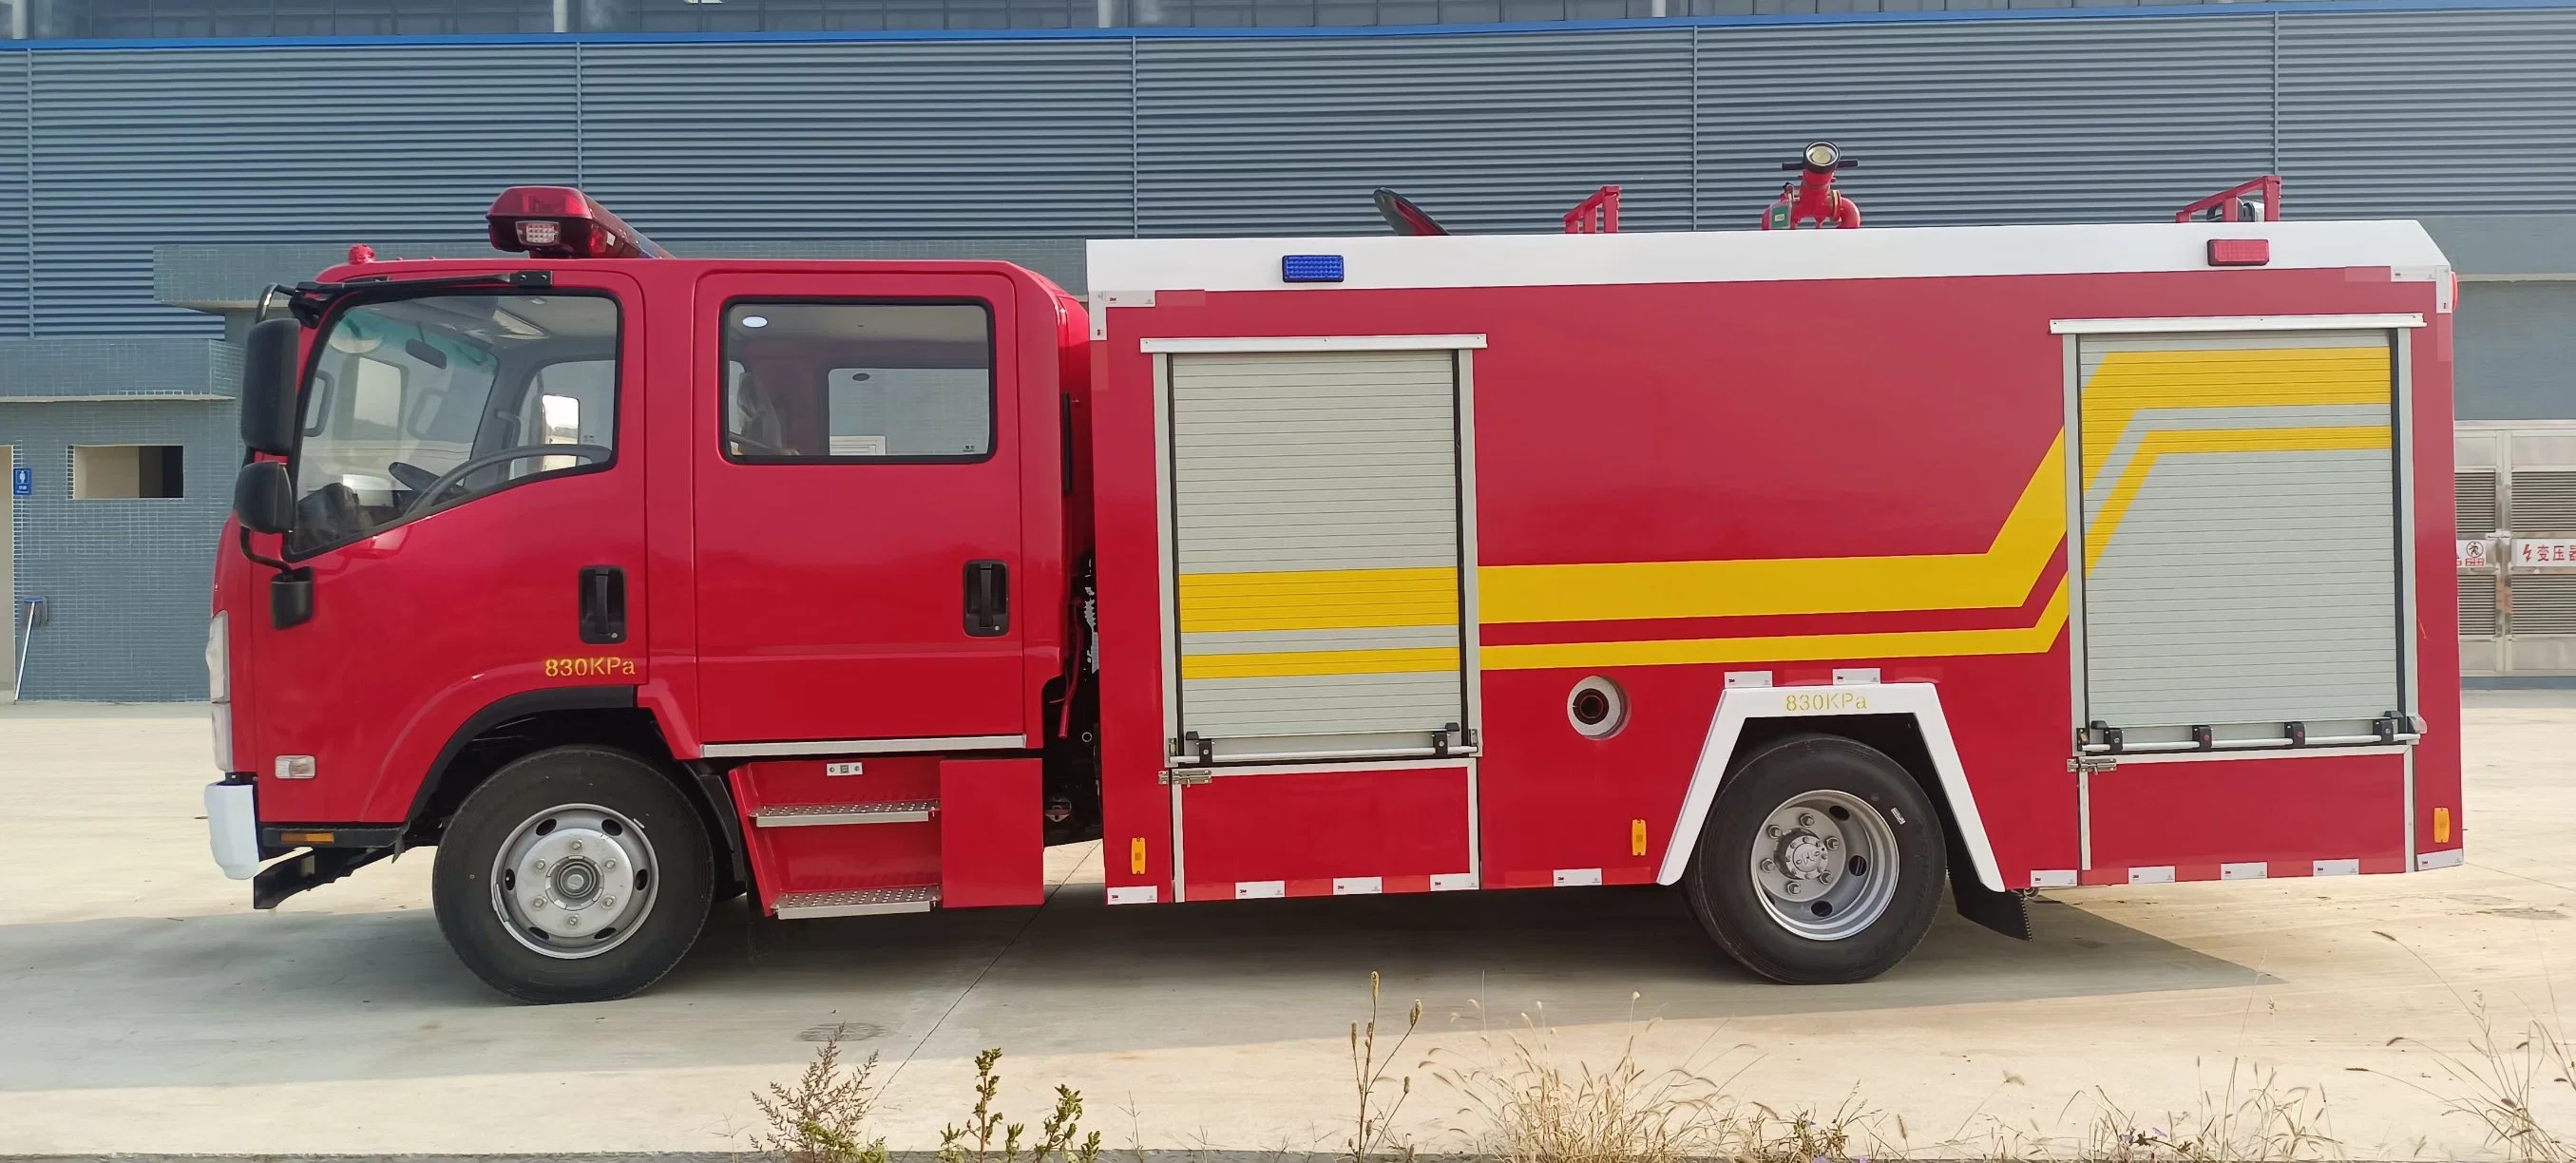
1316	543
2240	532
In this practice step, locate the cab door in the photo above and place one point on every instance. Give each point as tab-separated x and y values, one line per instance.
858	513
460	565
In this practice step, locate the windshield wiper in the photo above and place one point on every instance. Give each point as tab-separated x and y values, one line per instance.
310	301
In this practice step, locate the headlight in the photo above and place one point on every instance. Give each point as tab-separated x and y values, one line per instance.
1821	155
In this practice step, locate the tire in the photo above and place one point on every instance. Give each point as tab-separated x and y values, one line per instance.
1818	913
600	823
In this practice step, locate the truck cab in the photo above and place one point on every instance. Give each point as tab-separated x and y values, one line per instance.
637	527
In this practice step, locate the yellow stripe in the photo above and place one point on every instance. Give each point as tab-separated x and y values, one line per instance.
2178	442
1300	663
2032	639
2128	382
1319	599
2001	577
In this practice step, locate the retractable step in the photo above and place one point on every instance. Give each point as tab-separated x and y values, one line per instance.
819	815
858	903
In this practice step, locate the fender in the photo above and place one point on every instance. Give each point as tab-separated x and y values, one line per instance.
524	703
1740	705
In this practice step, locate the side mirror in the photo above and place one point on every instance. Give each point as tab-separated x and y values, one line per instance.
269	364
264	496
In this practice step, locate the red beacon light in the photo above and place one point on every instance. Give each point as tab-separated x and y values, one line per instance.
562	222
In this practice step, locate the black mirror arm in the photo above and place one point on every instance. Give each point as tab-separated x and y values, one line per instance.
259	558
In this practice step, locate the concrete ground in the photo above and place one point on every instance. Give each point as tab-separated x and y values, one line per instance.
145	1008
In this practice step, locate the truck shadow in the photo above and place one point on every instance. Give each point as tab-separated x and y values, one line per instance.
294	995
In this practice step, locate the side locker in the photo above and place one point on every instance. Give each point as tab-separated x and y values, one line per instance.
2240	523
1321	721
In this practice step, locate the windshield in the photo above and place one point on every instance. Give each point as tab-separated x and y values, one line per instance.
424	403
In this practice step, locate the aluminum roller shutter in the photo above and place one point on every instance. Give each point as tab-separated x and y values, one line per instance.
1316	541
2240	534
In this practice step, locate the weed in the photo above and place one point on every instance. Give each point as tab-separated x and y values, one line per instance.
819	1120
973	1143
2501	1079
2253	1119
1368	1075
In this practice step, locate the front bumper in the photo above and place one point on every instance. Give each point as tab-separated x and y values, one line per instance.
232	828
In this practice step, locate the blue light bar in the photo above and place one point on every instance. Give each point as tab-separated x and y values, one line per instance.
1310	268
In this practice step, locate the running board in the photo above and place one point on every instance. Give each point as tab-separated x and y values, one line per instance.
859	903
818	815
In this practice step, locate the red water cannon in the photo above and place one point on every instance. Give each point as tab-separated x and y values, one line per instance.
1813	198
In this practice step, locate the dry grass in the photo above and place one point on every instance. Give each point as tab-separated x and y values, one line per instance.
2495	1080
1372	1136
1526	1102
818	1120
1060	1136
2252	1118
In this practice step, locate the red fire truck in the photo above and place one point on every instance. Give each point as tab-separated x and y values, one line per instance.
1812	572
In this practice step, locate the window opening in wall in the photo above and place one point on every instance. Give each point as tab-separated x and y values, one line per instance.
124	472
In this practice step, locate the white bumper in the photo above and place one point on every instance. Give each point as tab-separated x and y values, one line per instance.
232	828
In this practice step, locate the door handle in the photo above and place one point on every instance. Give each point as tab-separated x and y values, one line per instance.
603	604
988	599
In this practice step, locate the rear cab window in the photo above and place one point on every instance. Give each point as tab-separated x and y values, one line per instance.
858	381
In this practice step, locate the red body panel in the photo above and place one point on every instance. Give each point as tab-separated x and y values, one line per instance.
992	842
1309	828
1714	421
2287	813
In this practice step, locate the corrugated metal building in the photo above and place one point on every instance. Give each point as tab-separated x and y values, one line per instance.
149	187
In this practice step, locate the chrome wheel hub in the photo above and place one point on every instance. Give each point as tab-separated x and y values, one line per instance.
1824	865
574	881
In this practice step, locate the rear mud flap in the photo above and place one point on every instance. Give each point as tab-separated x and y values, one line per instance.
2004	911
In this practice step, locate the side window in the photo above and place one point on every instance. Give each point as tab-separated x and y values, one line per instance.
858	381
426	402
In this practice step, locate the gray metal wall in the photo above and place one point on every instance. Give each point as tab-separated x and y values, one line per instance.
1012	146
125	580
1956	120
2515	346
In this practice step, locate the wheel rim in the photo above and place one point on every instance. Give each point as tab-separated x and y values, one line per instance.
1824	864
574	881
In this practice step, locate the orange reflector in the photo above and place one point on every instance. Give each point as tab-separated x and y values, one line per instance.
1136	856
2441	825
308	837
2239	252
1636	837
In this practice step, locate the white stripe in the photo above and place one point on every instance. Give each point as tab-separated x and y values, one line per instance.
1122	265
2338	868
2158	874
1357	885
2205	323
2250	870
866	746
1143	894
1246	890
2052	878
2432	860
1453	882
1315	343
1577	877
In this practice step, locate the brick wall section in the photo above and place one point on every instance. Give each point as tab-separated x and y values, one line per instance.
125	581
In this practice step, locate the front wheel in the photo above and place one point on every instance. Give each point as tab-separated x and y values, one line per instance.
574	874
1822	862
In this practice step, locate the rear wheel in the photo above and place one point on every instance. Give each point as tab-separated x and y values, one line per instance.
574	874
1822	862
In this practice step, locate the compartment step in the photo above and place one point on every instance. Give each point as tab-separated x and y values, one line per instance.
858	902
818	815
